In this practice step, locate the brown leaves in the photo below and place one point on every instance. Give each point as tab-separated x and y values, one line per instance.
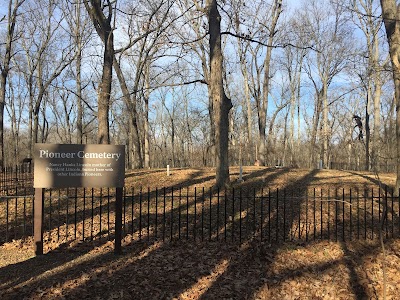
321	270
187	270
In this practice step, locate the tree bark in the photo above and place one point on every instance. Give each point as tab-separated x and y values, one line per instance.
377	108
131	107
104	29
3	83
326	134
221	103
314	129
391	19
78	39
146	120
103	134
367	128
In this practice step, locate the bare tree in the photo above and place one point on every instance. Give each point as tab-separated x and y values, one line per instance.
47	55
291	63
331	35
80	32
365	11
262	103
146	36
192	39
172	120
16	106
256	29
64	117
243	46
5	62
101	14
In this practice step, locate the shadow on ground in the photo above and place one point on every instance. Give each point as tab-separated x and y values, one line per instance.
252	269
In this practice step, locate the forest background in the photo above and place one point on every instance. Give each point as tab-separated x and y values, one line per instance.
287	82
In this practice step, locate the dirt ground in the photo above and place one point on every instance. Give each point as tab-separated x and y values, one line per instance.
212	270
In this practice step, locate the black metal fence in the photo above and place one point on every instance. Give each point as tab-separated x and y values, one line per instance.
199	214
16	180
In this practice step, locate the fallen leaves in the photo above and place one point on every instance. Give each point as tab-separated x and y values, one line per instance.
320	270
210	270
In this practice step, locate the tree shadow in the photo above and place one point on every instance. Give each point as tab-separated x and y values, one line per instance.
247	253
374	181
174	268
50	268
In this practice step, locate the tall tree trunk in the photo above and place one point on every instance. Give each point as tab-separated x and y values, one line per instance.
247	107
377	107
249	118
221	103
102	24
295	94
247	110
172	117
367	127
79	121
325	155
3	82
104	94
314	129
211	149
37	106
30	124
78	38
133	127
15	132
391	18
262	109
146	120
291	128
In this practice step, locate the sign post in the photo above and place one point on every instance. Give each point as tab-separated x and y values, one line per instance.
38	221
76	165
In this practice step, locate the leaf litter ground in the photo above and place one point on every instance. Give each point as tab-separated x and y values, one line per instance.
209	270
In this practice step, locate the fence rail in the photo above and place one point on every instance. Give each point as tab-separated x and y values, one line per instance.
205	214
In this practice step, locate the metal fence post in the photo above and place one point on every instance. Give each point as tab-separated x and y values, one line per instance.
118	220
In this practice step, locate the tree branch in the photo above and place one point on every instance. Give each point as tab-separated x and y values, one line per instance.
248	38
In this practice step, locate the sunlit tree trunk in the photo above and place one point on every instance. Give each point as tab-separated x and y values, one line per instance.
102	24
377	107
221	103
131	107
326	134
247	109
146	120
391	18
78	39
